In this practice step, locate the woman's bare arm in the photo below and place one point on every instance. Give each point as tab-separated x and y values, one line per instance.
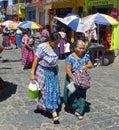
69	72
33	69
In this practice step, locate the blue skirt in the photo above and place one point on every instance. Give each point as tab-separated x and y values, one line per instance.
52	95
18	39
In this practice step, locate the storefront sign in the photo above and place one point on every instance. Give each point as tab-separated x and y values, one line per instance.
35	3
99	2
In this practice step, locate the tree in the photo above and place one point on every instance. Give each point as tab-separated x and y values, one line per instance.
2	11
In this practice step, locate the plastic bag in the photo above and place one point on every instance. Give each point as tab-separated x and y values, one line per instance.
33	89
71	87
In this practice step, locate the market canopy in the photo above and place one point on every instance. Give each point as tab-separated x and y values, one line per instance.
30	25
100	18
14	25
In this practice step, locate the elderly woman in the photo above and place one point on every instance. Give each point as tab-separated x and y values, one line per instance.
78	58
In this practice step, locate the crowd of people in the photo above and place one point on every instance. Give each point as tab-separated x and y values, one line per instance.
22	38
40	52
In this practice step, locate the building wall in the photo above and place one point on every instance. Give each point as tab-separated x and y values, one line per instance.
40	14
31	13
102	6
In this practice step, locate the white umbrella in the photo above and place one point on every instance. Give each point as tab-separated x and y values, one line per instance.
72	21
6	23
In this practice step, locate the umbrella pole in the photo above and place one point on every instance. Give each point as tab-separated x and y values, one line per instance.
98	34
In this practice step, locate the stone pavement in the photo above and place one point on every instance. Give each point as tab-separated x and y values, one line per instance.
17	109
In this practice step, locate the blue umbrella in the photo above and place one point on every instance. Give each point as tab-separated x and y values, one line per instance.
72	21
29	24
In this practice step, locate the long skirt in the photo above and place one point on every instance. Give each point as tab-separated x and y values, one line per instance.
6	41
18	40
49	96
75	100
62	42
26	58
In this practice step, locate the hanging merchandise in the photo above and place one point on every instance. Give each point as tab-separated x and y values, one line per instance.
115	38
109	34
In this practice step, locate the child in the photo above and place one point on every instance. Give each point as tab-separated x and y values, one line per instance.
13	41
67	48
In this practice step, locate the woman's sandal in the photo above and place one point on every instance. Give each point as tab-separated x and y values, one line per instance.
55	118
78	116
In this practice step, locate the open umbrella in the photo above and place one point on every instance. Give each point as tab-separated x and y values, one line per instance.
30	25
13	25
72	21
99	18
6	23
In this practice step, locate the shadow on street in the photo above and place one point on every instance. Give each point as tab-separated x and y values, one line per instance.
7	91
6	60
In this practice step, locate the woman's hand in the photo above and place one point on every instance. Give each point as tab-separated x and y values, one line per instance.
84	67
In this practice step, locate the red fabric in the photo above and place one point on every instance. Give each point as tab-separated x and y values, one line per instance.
13	39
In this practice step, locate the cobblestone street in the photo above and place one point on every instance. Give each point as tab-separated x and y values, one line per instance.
17	109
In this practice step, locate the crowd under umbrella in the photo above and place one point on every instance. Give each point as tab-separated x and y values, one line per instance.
86	23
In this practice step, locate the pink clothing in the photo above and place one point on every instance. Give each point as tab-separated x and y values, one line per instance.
26	60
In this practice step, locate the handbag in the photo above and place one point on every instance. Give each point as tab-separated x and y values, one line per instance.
82	78
71	87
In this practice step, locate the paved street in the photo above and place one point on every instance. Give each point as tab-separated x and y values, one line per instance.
17	109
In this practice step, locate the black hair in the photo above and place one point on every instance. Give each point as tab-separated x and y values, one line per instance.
6	29
55	36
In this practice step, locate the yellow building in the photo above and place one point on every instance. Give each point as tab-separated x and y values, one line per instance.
77	6
109	7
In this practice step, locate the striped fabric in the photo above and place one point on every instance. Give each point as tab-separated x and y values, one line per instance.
47	77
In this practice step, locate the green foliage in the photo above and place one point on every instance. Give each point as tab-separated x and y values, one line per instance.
2	10
1	20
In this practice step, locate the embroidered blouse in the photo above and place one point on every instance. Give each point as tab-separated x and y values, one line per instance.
48	57
76	63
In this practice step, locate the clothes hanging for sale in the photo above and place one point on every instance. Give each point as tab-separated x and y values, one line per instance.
115	37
